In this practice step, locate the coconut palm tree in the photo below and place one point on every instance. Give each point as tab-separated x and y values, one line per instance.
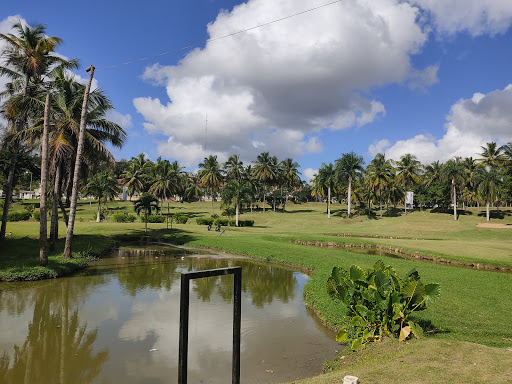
492	155
380	174
167	180
290	177
211	176
408	173
146	202
236	193
136	173
265	171
453	172
103	185
488	180
326	180
348	167
234	168
28	58
193	188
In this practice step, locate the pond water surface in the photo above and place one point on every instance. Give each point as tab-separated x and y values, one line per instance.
119	321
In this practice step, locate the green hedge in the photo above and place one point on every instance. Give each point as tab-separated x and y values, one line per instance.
154	219
180	219
36	215
123	218
18	216
204	220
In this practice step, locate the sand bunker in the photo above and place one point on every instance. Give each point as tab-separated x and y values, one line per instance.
494	225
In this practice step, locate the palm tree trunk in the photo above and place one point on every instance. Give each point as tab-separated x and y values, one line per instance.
405	202
454	201
264	190
54	224
380	204
487	214
329	202
98	213
8	190
349	195
43	223
145	221
74	192
64	213
237	211
211	197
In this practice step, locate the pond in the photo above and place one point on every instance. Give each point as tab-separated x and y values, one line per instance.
118	323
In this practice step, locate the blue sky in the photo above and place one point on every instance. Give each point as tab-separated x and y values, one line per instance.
429	77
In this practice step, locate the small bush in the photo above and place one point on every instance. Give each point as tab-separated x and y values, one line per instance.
180	219
154	219
245	223
123	218
204	220
18	216
223	222
36	215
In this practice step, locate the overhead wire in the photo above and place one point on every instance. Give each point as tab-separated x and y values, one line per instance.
218	38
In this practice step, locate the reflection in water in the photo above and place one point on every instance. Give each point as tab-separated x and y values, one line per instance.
57	349
119	323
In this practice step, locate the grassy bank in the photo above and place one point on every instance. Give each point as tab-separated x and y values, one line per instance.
473	310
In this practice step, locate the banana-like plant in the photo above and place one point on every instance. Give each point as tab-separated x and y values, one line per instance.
379	302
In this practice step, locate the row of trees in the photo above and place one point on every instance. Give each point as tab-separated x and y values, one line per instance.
45	108
486	180
237	184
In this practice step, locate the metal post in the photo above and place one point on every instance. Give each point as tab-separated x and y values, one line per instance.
184	318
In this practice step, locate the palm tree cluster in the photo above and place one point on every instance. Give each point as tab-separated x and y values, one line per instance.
235	184
44	108
466	182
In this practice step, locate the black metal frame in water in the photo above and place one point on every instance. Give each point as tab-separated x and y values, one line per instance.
184	317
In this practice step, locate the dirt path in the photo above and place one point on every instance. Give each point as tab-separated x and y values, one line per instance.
494	225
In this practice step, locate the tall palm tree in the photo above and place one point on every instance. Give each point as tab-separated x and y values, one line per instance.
290	176
470	168
348	167
135	175
193	188
492	155
28	58
211	176
146	202
380	174
166	180
453	172
265	171
433	173
102	186
236	193
234	168
488	180
325	179
408	173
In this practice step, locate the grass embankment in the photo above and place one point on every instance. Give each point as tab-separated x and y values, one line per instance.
474	306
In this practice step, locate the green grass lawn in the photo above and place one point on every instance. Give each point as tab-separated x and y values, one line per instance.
474	307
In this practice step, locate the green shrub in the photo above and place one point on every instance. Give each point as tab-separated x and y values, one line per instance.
154	219
223	222
124	218
379	302
204	220
18	216
232	223
245	223
180	219
36	214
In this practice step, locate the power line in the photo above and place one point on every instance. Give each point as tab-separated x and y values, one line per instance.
219	38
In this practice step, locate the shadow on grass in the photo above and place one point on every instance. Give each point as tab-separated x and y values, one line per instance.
449	211
496	215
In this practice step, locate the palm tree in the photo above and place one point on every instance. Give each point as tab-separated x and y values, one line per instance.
470	168
492	155
433	173
29	57
167	180
488	180
325	179
408	173
193	188
290	176
102	186
136	173
264	170
210	176
234	168
380	174
453	172
236	193
348	167
146	202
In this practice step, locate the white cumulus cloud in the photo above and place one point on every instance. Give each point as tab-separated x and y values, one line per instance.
471	124
273	88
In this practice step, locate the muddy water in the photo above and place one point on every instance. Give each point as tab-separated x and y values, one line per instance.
118	323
